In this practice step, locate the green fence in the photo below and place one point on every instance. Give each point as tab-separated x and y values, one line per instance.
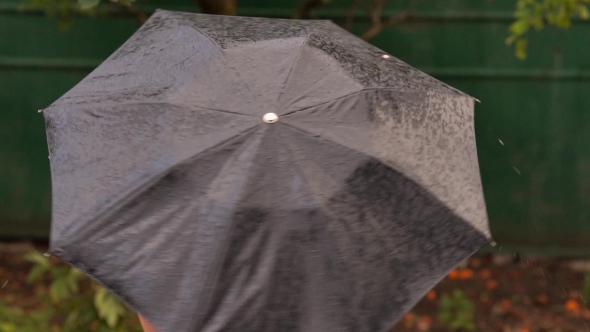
533	125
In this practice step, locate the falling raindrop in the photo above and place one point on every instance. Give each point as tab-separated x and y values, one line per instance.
5	283
516	170
499	140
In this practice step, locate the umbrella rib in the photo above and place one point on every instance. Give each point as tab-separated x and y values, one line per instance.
206	36
323	103
361	91
295	61
91	105
222	54
203	108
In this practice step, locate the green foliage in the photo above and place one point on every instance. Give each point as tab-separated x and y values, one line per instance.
65	10
72	303
536	14
456	312
108	307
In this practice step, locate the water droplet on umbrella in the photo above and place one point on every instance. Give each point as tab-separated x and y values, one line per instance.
385	56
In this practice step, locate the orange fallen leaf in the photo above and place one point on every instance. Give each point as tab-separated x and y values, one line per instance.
466	274
431	295
409	320
515	274
506	304
542	300
424	323
453	274
408	317
491	284
426	319
572	306
485	274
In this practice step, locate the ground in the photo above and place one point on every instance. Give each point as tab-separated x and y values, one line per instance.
509	293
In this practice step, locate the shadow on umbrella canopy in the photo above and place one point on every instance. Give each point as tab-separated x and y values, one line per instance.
173	189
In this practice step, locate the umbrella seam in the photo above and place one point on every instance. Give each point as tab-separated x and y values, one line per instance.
221	50
113	105
370	89
293	65
208	294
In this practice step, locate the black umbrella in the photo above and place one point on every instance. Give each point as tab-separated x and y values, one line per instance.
248	174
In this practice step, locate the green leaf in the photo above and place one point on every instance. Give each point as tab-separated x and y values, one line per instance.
60	272
518	28
583	12
7	327
510	40
88	4
521	49
72	318
59	291
36	272
73	279
37	259
108	307
445	317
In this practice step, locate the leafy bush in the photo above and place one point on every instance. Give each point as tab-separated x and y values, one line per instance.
68	301
456	311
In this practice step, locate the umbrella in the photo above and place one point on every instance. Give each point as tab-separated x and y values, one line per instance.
248	174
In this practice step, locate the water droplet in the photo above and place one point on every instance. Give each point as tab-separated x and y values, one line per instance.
385	56
499	140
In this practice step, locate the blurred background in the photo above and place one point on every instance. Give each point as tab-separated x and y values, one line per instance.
526	60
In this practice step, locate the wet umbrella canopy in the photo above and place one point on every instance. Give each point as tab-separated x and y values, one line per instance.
247	174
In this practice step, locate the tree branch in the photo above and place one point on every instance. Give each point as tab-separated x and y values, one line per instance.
377	28
351	15
218	7
134	11
305	8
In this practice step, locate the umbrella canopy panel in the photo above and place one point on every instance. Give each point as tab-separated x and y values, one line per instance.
172	191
